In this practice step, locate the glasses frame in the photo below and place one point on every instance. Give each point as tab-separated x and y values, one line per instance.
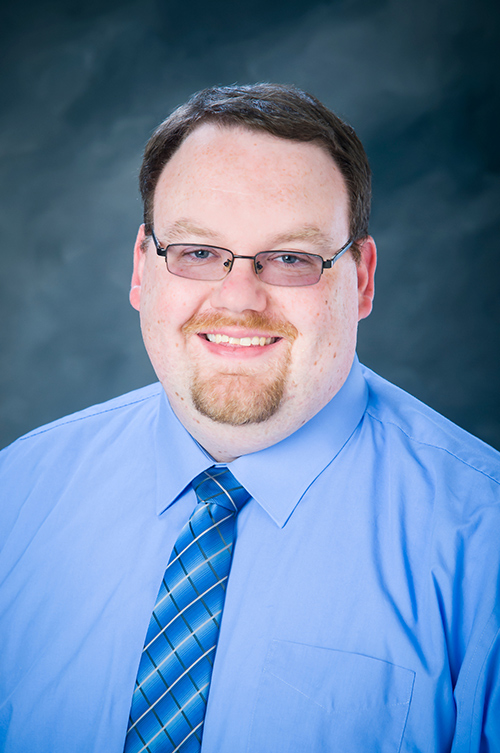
325	263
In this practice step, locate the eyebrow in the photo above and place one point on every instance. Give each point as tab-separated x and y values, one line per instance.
182	226
310	233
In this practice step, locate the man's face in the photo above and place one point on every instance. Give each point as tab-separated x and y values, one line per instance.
239	357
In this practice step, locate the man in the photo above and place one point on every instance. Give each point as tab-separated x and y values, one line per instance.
361	609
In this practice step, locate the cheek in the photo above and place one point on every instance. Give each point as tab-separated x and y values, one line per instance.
162	315
332	317
165	305
328	328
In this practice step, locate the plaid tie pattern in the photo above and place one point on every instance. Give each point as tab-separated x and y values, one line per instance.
170	697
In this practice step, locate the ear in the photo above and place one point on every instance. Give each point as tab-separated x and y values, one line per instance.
139	259
366	276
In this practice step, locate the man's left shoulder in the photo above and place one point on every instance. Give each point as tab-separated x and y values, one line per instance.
425	432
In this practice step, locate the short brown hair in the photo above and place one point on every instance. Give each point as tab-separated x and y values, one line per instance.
283	111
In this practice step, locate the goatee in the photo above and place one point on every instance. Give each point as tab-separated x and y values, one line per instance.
245	395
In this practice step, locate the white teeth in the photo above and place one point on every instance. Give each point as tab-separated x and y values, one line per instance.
241	341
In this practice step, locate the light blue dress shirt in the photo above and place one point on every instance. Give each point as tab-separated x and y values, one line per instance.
362	611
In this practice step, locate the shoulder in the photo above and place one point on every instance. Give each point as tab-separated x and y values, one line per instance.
419	431
90	430
80	455
117	408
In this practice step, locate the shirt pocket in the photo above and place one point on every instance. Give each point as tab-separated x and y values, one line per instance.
319	699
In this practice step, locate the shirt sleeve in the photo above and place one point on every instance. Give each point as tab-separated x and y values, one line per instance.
477	693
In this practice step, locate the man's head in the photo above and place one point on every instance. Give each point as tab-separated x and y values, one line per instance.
282	111
249	357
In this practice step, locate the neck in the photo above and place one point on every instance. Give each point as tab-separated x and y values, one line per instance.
224	443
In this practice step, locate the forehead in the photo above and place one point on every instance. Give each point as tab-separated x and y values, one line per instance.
231	171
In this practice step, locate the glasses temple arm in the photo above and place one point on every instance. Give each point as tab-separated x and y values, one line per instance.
328	263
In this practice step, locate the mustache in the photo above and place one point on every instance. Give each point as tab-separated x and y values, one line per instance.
253	320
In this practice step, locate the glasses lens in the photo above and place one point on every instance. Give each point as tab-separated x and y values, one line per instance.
288	268
198	262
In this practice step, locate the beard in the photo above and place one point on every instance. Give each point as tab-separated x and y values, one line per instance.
245	395
241	398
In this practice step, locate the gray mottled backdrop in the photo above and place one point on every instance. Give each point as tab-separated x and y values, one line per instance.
84	83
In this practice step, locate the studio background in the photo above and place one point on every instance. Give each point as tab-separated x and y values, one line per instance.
84	85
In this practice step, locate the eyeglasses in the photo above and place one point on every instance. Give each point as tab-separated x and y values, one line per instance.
286	268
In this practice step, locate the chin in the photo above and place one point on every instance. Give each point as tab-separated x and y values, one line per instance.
238	400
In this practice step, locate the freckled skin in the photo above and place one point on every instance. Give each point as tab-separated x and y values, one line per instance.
245	189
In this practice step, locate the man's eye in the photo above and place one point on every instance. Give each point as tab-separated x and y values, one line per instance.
292	260
200	254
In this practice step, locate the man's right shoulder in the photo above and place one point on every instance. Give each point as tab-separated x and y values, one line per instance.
117	409
83	451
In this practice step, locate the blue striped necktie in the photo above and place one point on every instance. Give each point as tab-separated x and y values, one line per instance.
171	692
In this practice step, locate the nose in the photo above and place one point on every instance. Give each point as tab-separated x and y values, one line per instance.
241	290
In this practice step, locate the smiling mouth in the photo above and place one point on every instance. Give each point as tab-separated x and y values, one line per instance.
244	342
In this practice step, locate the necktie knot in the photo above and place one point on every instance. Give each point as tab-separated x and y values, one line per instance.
217	485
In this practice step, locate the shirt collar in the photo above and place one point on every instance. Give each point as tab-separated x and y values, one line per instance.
276	477
179	458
